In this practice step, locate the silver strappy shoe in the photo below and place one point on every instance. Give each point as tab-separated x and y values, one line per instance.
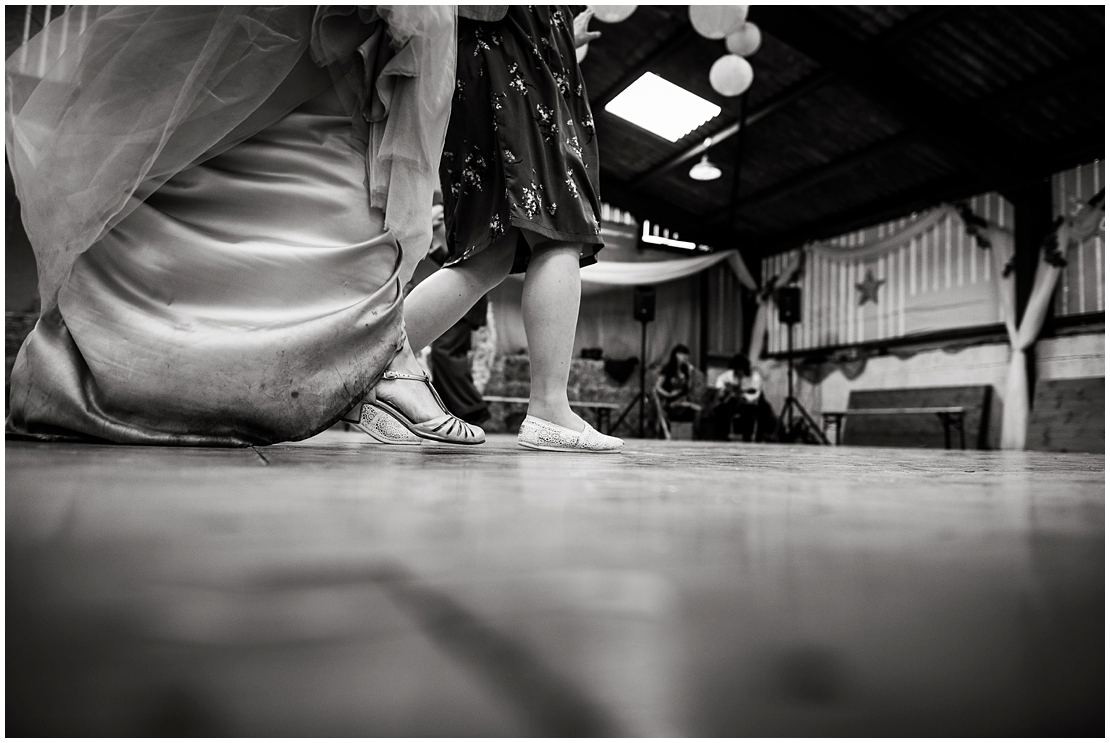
447	428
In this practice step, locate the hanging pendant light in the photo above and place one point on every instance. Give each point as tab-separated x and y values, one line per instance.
705	170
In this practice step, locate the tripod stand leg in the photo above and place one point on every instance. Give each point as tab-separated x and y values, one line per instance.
787	416
805	421
811	423
624	414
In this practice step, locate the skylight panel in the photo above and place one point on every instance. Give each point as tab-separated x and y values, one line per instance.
662	107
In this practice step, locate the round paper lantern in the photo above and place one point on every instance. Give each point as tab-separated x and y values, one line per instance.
716	21
745	40
612	13
731	75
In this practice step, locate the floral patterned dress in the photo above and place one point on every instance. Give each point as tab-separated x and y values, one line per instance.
520	149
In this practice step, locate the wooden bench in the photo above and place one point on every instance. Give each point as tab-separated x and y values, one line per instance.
908	417
1067	415
601	409
949	417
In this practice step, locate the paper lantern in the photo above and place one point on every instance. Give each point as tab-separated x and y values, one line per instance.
731	75
612	13
745	40
717	21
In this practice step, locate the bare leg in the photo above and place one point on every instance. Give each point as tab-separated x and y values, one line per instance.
552	293
441	300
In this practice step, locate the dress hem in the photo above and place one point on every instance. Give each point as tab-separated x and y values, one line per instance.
589	240
593	238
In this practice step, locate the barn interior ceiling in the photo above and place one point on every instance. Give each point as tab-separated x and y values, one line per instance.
857	114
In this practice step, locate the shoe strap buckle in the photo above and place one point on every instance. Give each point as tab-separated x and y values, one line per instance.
400	375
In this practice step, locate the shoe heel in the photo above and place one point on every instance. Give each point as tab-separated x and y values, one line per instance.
382	427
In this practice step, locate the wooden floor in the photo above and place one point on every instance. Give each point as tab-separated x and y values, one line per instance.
334	587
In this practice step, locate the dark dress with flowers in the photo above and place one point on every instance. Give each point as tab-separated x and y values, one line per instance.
521	149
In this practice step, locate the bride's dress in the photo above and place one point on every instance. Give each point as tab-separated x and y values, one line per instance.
254	296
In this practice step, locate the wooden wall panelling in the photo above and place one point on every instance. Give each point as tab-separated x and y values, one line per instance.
1068	415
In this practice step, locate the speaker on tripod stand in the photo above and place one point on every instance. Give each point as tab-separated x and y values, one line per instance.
788	299
643	309
643	303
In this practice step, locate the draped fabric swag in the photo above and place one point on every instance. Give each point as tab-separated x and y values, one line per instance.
1069	232
605	275
915	275
883	246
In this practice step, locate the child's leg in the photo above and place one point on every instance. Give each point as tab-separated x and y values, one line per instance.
552	292
441	300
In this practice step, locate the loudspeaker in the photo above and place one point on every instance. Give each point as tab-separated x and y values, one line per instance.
789	300
643	303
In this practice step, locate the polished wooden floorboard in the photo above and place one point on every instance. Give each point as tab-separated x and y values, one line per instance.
335	587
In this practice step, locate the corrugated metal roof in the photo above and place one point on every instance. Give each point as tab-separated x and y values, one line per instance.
984	50
864	22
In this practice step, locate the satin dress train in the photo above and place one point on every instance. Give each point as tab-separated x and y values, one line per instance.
224	203
250	299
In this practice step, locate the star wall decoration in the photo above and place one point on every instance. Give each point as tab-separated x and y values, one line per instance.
869	289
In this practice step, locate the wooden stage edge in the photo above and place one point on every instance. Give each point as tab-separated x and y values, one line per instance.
335	587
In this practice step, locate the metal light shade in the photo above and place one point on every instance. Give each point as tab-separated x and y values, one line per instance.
705	170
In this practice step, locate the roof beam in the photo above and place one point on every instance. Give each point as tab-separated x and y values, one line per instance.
821	173
684	35
966	139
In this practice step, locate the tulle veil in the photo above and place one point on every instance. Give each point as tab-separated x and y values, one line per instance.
145	91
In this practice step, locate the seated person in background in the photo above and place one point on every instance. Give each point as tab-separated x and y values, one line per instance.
675	386
740	394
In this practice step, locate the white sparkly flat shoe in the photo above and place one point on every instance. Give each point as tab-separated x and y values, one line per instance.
382	427
446	428
539	434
